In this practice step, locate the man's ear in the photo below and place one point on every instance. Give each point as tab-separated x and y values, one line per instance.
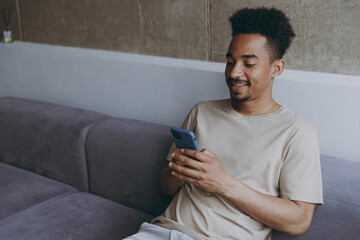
278	68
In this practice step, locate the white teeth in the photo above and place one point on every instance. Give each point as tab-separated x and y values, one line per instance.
240	85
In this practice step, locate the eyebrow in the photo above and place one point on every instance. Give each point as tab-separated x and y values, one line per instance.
243	56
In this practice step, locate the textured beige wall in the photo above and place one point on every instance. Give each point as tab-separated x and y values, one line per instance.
161	27
328	31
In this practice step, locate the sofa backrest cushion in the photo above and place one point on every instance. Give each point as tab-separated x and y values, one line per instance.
46	138
125	158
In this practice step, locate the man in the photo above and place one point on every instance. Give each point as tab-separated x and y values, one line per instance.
259	168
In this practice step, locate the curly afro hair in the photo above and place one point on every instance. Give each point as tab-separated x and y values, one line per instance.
270	23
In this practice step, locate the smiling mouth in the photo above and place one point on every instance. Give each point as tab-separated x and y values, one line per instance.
238	83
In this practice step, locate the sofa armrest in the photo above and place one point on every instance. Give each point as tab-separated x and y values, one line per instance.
47	139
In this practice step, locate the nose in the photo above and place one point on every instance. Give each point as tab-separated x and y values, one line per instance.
237	71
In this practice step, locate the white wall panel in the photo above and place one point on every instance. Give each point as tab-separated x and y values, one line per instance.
163	90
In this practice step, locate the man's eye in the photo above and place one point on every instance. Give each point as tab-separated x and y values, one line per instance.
249	65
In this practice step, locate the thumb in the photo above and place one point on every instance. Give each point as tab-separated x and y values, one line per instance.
208	153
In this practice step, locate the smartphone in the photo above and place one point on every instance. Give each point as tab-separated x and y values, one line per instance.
184	138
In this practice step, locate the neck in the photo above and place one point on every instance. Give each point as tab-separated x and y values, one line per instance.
255	108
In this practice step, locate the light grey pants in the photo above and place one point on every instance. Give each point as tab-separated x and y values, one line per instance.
152	232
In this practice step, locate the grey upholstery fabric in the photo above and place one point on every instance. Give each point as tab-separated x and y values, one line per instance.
77	216
46	138
339	217
21	189
121	160
125	158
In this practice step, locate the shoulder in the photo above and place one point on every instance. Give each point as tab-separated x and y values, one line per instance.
201	111
213	105
298	122
298	126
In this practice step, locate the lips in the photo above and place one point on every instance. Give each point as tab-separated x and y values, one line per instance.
237	85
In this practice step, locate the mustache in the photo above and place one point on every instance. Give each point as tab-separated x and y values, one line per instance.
233	80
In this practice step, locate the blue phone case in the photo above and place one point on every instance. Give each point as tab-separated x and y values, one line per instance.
184	138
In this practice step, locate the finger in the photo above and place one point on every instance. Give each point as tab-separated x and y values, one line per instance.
184	178
184	170
177	162
175	153
181	159
200	156
208	153
176	150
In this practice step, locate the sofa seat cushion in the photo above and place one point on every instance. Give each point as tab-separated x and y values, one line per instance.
46	138
21	189
76	216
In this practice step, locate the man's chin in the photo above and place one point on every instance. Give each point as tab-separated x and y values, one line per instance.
238	99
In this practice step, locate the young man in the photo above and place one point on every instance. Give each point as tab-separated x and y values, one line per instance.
259	168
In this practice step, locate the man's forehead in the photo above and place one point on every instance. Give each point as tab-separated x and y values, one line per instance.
248	46
244	56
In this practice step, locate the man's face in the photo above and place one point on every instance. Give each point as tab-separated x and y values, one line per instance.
248	70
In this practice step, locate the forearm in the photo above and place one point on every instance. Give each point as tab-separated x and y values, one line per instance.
291	217
278	213
168	183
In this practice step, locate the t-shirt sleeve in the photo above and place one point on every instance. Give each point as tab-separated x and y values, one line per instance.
188	124
300	176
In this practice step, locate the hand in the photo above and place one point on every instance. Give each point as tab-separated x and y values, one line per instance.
202	169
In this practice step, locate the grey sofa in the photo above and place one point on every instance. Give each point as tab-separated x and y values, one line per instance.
68	173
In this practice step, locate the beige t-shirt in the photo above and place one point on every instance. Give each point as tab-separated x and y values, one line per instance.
276	154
